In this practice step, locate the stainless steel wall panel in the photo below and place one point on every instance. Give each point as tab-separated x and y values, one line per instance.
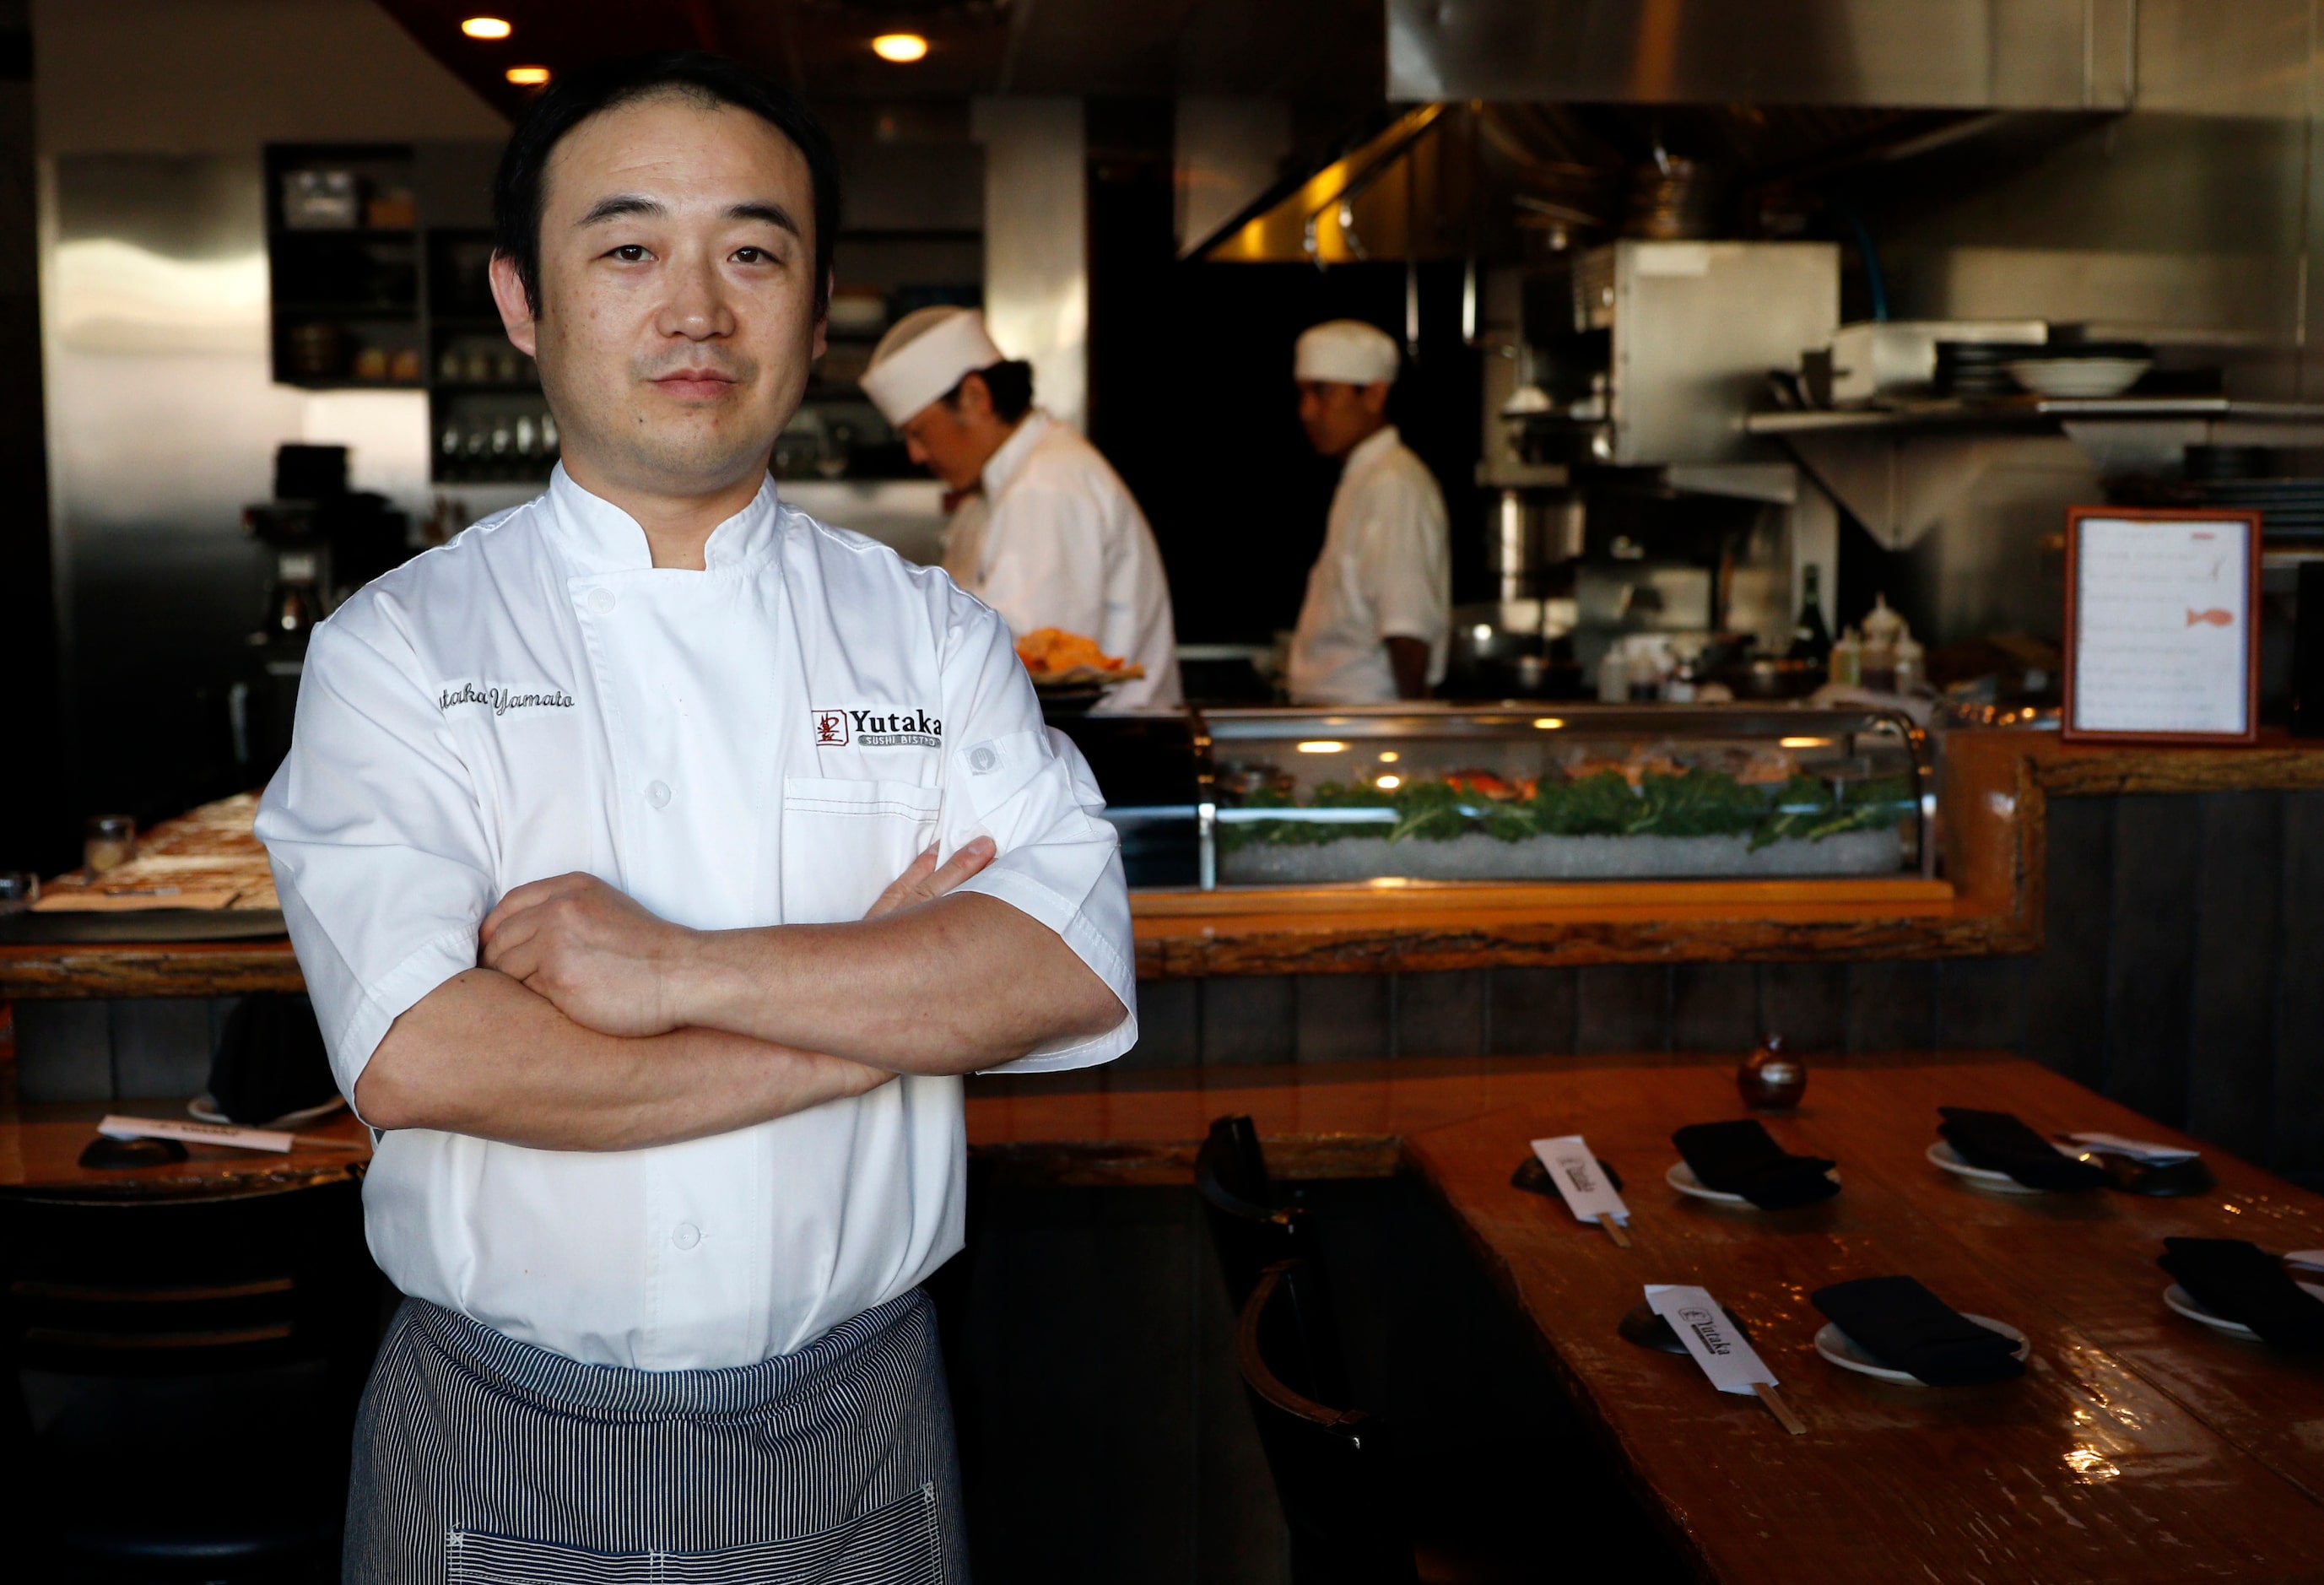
2004	54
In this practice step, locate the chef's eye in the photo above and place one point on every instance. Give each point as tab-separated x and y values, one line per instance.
754	256
629	254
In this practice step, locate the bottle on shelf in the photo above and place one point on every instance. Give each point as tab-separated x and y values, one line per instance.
1810	639
1882	630
1847	667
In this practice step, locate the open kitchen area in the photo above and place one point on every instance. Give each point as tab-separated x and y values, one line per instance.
1592	554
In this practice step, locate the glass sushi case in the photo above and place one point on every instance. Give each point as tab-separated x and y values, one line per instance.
1421	792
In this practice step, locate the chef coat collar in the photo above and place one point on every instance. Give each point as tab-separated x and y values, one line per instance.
1372	449
599	537
1005	464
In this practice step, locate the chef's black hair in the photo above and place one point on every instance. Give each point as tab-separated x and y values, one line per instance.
591	91
1010	385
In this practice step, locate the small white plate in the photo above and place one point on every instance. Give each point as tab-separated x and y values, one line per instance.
1681	1177
1940	1153
2187	1305
1846	1352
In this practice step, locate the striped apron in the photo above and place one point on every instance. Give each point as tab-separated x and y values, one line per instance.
480	1460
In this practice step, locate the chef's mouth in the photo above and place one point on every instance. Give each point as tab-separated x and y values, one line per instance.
696	383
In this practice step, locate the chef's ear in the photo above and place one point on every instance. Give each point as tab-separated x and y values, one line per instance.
516	307
1374	397
975	400
822	314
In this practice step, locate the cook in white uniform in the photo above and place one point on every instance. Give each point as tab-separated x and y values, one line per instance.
1063	543
609	841
1378	612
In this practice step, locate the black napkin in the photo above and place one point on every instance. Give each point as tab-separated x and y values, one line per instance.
1998	1142
1739	1158
1908	1328
2244	1283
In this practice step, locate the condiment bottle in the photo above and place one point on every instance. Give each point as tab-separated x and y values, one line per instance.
1846	666
1882	628
1912	664
1771	1078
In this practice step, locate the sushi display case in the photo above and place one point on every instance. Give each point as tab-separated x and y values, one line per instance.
1390	794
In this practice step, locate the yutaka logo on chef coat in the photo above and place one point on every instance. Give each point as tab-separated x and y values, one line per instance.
500	700
877	728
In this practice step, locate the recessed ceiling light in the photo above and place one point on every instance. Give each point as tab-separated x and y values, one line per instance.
528	77
1322	746
901	48
486	27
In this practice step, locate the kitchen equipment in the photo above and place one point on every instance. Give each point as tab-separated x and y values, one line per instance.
1528	532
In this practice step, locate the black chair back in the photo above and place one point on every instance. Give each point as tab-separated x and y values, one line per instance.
1334	1468
199	1285
249	1318
1248	1230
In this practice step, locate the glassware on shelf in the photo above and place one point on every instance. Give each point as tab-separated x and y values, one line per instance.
19	891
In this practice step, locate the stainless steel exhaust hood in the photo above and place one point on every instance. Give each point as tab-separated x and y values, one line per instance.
1934	54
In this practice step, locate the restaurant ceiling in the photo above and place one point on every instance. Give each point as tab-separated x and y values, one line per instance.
1324	53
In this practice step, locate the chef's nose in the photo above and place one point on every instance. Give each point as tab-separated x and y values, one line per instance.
696	308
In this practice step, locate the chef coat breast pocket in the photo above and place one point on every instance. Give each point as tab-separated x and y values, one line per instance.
844	841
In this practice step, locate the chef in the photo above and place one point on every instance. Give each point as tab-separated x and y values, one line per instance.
1062	544
1378	612
657	858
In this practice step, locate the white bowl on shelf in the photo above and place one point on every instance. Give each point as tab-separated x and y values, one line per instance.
2079	377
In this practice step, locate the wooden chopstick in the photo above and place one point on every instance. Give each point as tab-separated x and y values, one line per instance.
1781	1410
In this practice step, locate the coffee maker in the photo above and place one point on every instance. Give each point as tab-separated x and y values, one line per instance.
324	541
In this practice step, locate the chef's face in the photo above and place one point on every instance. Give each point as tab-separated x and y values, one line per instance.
1338	417
954	440
679	312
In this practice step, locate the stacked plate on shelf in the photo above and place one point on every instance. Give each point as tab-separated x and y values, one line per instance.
2240	478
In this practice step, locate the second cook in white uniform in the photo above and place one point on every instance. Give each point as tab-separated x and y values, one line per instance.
1378	619
1063	543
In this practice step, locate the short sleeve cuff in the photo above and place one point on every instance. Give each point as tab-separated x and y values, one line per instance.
452	953
1089	943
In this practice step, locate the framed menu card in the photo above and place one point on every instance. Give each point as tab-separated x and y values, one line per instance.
2162	625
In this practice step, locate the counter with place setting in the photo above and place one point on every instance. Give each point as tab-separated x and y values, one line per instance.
2133	1378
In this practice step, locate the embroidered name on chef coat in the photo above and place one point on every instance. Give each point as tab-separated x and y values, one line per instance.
501	699
877	728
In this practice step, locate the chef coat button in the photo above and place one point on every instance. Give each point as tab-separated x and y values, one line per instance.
982	756
686	1235
600	601
657	795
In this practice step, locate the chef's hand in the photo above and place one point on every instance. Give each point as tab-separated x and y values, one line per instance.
924	880
607	963
603	959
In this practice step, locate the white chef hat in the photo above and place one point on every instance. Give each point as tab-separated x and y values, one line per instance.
924	356
1346	352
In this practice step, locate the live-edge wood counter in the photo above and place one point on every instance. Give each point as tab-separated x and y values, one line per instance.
1997	784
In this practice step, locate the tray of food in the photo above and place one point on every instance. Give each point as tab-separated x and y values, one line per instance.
1069	672
1649	817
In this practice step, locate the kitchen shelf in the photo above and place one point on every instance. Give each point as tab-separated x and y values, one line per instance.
2036	413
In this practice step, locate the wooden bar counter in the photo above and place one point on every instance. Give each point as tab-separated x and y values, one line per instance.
1996	785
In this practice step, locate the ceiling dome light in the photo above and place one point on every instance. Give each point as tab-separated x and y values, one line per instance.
528	77
486	27
901	48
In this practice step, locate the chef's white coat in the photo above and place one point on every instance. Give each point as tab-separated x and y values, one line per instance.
1386	572
1065	546
770	741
